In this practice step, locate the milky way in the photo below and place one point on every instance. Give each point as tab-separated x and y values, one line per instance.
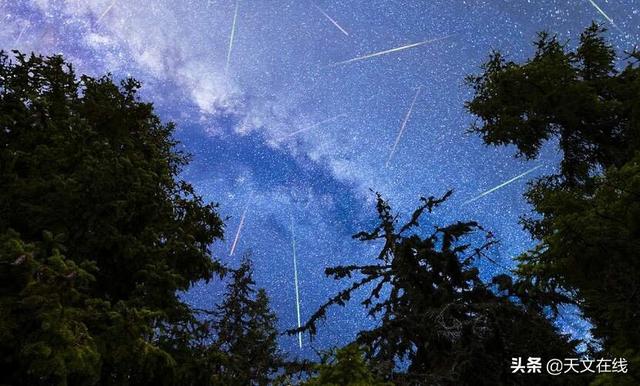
239	84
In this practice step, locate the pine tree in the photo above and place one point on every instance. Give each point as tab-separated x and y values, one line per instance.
85	163
246	335
586	216
434	312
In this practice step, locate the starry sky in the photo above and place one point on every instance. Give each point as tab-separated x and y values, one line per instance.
290	136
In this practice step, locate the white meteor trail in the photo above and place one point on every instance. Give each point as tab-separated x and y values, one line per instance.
335	23
244	214
295	280
502	185
604	14
392	50
21	33
106	11
311	127
402	126
233	33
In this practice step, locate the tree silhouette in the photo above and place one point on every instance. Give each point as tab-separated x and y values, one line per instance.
577	97
98	232
245	333
434	312
586	215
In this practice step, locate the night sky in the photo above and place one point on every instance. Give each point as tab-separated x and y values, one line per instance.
283	130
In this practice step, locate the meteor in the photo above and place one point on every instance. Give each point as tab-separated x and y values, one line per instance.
502	185
402	126
392	50
335	23
311	127
106	11
233	32
604	14
21	33
295	280
244	214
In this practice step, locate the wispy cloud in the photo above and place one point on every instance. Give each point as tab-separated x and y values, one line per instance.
132	37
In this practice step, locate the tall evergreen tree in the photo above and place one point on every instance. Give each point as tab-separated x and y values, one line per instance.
586	219
435	313
233	344
97	231
246	335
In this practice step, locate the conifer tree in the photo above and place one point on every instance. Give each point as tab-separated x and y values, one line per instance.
97	231
435	314
579	98
586	216
246	334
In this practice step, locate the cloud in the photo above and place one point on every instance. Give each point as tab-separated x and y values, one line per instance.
211	91
148	40
184	62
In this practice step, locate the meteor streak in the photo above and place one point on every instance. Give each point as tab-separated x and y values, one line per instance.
21	33
502	184
330	19
604	14
106	11
392	50
311	127
295	280
404	123
244	214
233	33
